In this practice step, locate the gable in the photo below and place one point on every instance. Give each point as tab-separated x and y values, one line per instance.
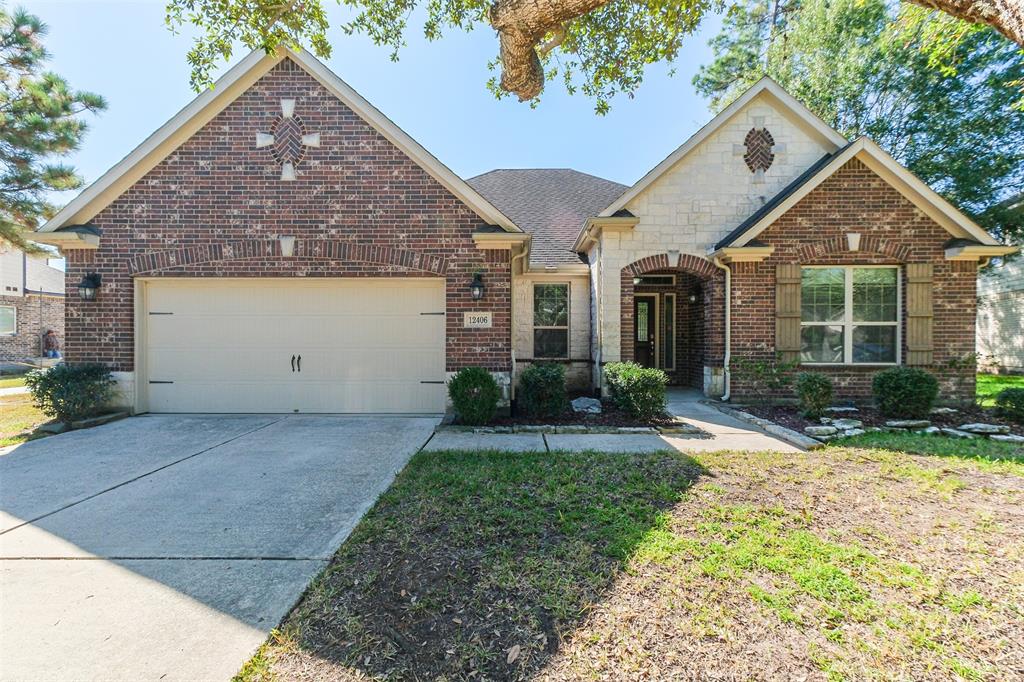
227	90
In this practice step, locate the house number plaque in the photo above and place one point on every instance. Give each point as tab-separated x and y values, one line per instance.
476	320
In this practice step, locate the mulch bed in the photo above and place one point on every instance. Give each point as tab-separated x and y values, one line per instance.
611	415
790	416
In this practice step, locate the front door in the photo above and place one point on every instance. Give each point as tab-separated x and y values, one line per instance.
644	314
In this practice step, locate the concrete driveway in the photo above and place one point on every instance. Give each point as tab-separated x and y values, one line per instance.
167	547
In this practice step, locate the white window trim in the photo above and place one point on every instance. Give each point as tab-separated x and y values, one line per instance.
13	332
848	323
568	320
642	283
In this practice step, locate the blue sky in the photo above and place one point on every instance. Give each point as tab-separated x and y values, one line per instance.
436	92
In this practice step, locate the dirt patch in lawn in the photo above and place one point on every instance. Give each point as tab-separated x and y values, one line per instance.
835	564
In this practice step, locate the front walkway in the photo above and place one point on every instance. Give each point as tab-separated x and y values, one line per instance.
721	432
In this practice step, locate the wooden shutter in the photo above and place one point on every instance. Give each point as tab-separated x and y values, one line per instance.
787	311
919	314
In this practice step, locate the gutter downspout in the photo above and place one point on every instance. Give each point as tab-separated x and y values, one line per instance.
728	327
512	320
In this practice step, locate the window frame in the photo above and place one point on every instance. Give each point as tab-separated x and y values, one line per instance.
669	332
13	332
848	324
568	319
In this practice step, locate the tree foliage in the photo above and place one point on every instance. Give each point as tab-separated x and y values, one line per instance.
861	66
39	121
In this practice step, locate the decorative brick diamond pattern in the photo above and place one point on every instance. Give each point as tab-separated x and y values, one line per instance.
759	143
288	147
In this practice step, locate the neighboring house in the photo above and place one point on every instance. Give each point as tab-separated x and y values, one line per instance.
31	302
1001	317
280	245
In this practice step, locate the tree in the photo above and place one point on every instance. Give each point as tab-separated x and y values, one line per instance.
598	46
38	121
860	67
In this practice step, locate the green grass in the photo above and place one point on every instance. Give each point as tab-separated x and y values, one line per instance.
989	386
12	382
923	444
17	417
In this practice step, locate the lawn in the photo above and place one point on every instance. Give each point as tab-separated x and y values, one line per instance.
12	382
989	386
17	417
843	563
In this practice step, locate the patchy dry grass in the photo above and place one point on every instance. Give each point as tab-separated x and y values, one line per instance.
17	419
839	564
924	444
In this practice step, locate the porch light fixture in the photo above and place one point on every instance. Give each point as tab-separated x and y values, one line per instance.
89	285
476	287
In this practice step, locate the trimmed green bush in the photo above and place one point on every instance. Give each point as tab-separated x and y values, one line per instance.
71	392
815	393
905	392
638	390
1010	402
542	390
475	394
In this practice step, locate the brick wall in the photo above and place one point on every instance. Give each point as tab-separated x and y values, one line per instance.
893	231
359	207
36	314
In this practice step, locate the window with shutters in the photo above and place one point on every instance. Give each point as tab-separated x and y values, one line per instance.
551	321
849	315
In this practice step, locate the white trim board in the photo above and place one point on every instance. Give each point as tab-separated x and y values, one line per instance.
902	180
226	90
765	85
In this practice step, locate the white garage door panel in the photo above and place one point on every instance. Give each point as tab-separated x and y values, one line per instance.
226	345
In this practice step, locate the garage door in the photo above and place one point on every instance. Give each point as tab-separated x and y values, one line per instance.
330	345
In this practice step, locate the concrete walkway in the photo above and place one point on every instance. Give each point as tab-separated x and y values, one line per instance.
13	390
167	547
721	432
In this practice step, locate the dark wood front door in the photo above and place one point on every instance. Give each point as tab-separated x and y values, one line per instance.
645	328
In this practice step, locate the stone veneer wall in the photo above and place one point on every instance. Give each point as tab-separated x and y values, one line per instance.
578	366
893	231
358	208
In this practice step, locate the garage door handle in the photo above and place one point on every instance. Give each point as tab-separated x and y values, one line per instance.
293	363
300	363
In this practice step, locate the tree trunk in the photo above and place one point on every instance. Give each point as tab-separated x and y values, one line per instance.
521	25
1005	16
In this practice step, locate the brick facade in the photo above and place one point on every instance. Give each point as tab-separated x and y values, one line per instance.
359	207
35	315
894	231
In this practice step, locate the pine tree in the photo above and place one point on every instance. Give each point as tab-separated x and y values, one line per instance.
39	122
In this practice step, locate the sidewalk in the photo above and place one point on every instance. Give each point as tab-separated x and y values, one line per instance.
721	432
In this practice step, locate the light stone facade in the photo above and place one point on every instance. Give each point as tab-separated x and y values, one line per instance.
578	370
697	202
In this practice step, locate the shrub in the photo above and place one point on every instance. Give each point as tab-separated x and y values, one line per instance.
638	390
71	392
475	394
542	390
905	392
815	393
765	377
1010	402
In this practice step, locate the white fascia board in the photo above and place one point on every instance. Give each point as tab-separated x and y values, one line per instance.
163	141
226	90
905	182
766	84
979	251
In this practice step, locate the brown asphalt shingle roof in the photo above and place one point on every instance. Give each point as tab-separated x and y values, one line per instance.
551	204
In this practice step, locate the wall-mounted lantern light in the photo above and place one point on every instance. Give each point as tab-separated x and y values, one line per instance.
694	295
476	287
89	285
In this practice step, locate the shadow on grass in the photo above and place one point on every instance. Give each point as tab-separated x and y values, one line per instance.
478	562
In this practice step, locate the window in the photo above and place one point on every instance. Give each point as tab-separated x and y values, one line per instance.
669	345
655	281
849	315
8	320
551	320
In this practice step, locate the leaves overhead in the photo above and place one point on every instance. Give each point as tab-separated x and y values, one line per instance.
39	121
867	68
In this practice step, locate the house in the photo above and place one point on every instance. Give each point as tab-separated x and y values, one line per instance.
1001	317
31	302
280	245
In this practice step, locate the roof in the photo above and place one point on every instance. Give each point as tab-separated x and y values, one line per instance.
772	203
765	86
226	90
890	170
551	204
